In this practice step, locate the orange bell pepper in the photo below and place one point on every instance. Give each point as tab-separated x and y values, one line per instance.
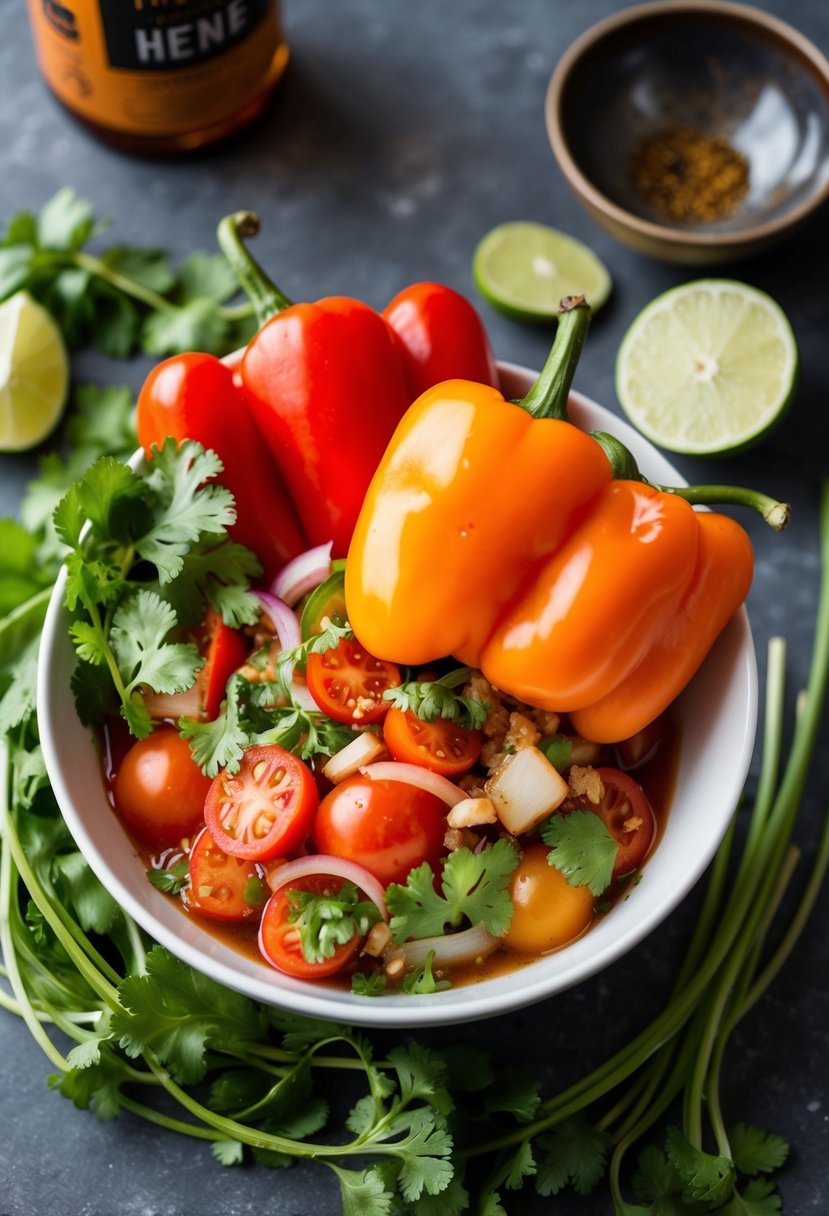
500	534
720	583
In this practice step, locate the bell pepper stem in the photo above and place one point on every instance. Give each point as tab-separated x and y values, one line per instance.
776	514
264	295
623	466
549	395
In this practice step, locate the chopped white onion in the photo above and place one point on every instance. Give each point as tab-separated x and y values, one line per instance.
283	619
354	756
451	949
526	789
302	574
338	867
413	774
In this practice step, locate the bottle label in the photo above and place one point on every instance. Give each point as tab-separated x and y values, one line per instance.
157	35
179	69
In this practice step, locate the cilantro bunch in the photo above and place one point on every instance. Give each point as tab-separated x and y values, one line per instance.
124	297
433	699
127	1027
145	553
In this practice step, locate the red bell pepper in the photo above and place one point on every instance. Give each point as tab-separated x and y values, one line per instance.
194	396
328	382
442	335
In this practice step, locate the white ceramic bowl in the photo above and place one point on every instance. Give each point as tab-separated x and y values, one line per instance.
718	720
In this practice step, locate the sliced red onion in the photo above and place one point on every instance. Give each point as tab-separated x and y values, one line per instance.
451	949
302	574
413	774
337	867
283	619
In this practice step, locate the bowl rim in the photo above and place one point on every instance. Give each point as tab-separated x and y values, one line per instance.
457	1005
686	238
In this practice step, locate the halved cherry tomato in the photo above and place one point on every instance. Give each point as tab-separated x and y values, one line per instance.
547	911
386	826
264	810
159	790
279	939
442	746
628	817
218	882
640	747
348	683
225	650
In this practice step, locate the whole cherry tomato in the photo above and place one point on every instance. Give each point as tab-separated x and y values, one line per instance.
159	790
386	826
547	911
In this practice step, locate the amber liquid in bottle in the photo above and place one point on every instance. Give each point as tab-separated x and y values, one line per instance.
160	76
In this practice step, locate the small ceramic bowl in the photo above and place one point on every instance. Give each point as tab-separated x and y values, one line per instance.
713	71
717	718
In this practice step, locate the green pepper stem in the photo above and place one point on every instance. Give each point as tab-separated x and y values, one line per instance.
776	514
623	465
549	395
266	297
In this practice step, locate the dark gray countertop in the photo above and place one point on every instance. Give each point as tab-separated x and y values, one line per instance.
400	135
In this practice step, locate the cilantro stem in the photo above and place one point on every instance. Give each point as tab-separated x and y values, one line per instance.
138	291
7	894
166	1121
90	973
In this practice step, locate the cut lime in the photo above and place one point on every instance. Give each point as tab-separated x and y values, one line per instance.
34	373
526	269
708	367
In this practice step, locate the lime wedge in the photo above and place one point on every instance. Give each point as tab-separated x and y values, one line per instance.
708	367
525	269
34	373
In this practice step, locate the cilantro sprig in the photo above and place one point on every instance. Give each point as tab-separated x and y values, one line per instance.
327	921
473	887
123	297
131	542
433	699
582	848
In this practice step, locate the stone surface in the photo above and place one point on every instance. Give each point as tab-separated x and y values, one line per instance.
400	135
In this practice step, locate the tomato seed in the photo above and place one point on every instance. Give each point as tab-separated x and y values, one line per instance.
259	770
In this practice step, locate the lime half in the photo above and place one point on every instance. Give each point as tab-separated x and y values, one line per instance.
34	373
525	270
708	367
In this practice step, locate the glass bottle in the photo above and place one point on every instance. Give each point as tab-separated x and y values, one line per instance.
160	76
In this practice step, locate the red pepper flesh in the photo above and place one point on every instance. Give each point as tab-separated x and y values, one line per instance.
194	396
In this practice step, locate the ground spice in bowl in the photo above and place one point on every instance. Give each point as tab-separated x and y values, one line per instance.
689	176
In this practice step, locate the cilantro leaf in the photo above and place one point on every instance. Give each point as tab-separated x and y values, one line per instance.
325	922
172	879
433	699
66	222
421	982
705	1177
228	1152
177	1013
363	1192
196	325
474	887
515	1093
759	1197
140	629
755	1151
186	508
207	275
371	984
582	848
576	1154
